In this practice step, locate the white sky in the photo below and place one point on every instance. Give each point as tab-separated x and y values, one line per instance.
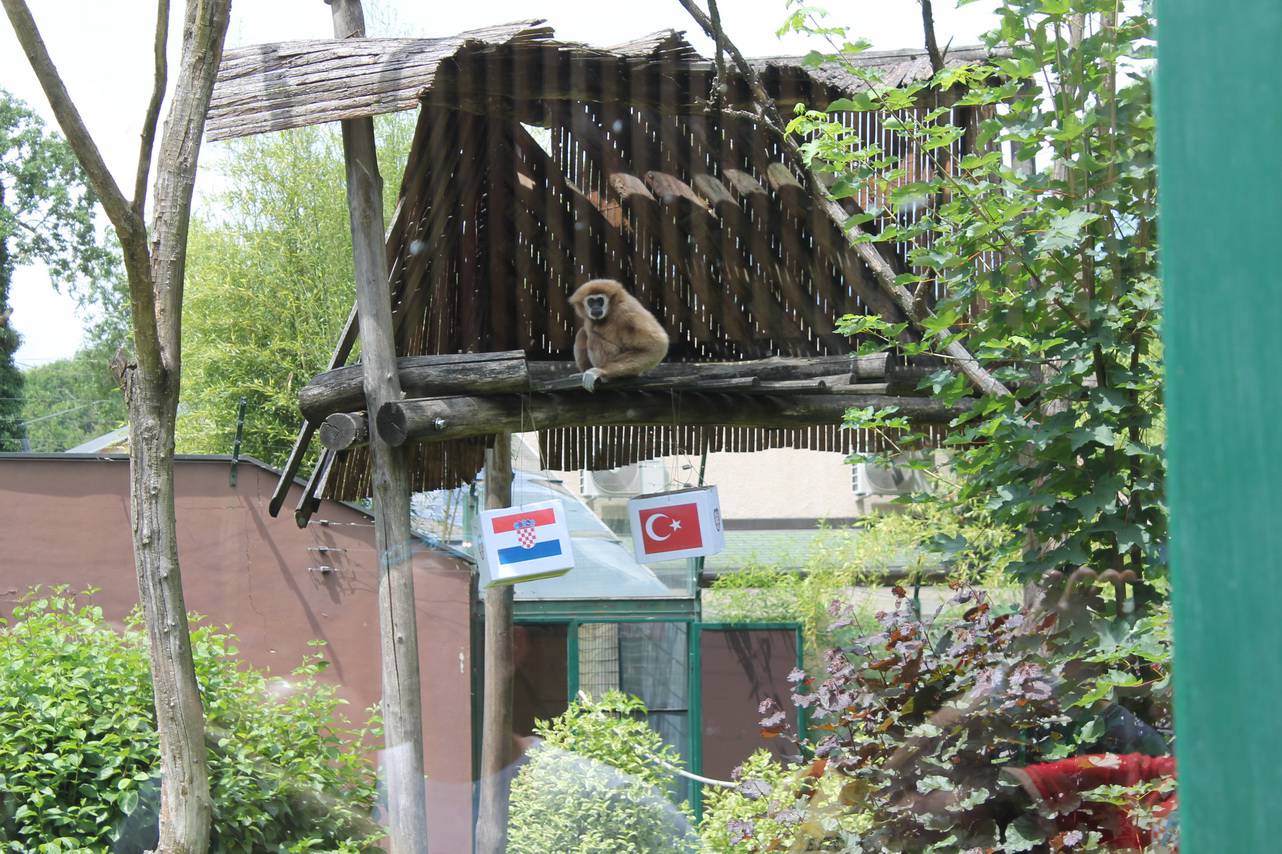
104	56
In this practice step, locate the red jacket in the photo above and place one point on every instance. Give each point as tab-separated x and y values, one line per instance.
1058	786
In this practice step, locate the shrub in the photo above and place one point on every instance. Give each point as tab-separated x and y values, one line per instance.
79	753
918	717
764	812
598	783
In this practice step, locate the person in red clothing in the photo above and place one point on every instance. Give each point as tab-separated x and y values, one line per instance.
1056	788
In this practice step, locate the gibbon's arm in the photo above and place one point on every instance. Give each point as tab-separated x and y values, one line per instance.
640	346
581	350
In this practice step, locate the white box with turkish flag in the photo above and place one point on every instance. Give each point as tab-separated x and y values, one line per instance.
675	525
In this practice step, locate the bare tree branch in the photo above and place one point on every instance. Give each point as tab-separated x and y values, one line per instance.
722	85
129	225
153	108
204	28
932	46
768	113
24	26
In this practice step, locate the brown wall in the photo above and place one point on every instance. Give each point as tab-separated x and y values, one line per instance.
65	520
740	668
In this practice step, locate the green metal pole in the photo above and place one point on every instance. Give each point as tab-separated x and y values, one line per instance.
572	660
1219	136
694	695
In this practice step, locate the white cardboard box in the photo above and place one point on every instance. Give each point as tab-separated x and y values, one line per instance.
526	543
675	525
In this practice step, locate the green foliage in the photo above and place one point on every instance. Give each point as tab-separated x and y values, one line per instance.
923	536
269	285
79	755
46	217
70	401
597	784
916	717
46	207
765	811
10	341
1050	277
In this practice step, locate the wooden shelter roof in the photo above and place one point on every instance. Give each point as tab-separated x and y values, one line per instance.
538	164
272	87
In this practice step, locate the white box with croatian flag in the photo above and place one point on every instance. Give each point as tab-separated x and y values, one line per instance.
526	543
674	525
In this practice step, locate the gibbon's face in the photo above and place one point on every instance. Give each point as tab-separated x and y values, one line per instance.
596	306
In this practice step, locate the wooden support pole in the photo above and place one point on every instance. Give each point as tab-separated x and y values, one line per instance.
498	741
443	418
402	704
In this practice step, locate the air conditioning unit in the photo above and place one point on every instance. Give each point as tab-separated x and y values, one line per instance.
871	479
626	481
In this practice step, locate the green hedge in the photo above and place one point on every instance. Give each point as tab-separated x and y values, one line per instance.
78	747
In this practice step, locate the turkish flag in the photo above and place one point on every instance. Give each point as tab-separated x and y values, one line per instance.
670	529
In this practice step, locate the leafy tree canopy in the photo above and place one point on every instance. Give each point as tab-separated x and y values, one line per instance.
46	217
1047	262
70	401
269	284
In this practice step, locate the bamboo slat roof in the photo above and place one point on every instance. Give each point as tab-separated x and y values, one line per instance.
539	164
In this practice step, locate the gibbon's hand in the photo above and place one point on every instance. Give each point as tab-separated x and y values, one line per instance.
590	378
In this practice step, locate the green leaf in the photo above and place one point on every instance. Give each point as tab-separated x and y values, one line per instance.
1023	834
859	103
1065	230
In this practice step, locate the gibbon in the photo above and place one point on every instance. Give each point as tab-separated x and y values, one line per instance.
619	337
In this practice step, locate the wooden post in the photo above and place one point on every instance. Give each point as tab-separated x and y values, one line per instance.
497	736
402	706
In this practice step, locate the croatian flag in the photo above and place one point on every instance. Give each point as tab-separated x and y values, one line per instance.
673	525
525	543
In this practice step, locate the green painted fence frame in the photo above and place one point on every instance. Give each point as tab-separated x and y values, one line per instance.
1220	182
576	613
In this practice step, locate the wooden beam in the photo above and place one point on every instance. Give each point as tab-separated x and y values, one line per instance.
342	390
445	418
560	376
342	350
402	699
498	738
344	430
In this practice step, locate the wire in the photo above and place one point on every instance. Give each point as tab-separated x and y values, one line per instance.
44	400
63	412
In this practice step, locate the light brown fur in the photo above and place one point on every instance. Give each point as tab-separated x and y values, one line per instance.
625	342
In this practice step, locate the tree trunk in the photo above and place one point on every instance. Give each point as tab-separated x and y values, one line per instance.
155	266
185	805
398	619
498	744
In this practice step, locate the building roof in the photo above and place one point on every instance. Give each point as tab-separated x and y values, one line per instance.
538	164
116	440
